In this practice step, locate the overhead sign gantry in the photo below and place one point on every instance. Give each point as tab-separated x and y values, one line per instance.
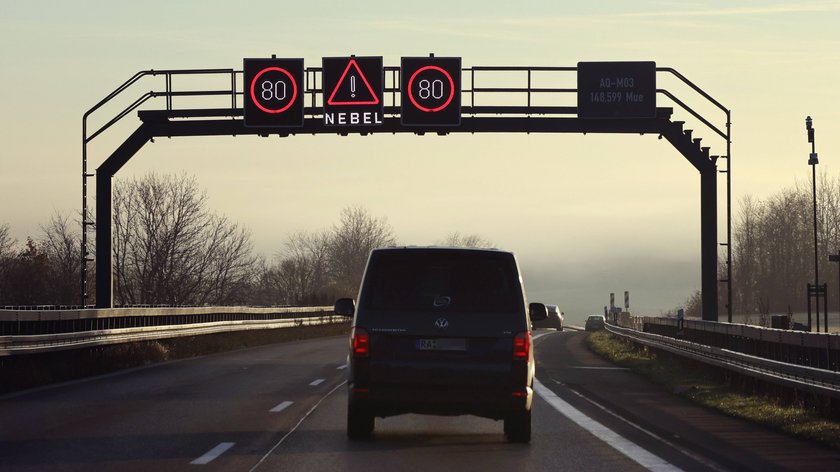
426	94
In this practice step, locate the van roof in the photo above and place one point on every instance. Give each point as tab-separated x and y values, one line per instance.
443	248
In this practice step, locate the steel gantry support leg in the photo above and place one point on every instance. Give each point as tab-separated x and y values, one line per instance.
104	175
709	242
104	284
699	158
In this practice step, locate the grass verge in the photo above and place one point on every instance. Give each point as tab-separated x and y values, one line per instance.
705	386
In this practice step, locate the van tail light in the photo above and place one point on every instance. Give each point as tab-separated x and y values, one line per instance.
361	342
522	345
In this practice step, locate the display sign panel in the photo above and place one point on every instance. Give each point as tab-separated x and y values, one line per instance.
352	91
430	90
273	92
616	89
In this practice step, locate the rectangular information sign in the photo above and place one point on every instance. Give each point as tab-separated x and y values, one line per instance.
616	89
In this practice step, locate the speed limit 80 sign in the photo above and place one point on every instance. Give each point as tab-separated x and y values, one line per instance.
430	91
273	92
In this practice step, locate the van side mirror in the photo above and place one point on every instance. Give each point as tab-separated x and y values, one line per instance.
345	307
537	311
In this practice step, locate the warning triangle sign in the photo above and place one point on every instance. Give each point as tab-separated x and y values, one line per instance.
353	88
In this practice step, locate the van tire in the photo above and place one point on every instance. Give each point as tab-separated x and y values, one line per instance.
360	422
518	427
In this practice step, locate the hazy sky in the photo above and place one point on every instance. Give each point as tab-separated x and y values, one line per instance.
587	215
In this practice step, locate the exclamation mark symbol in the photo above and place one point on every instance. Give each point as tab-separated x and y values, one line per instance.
352	86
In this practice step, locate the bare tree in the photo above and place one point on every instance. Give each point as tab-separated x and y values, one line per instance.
745	253
317	268
773	253
46	271
770	255
828	216
694	305
6	260
26	277
302	273
6	242
169	249
224	271
456	239
61	245
266	288
351	240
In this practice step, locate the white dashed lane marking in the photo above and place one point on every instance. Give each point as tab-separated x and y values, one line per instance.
599	367
212	454
317	382
281	407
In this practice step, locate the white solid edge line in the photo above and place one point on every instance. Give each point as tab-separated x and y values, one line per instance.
622	445
281	407
317	382
296	426
212	454
702	460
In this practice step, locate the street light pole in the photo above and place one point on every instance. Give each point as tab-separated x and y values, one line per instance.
813	161
834	258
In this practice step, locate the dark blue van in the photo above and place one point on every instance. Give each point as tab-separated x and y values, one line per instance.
441	331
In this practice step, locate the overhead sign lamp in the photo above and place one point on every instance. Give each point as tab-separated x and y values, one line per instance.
809	125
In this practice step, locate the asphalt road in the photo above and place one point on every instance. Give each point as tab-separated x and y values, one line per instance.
283	407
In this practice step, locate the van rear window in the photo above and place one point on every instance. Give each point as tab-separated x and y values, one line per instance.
451	281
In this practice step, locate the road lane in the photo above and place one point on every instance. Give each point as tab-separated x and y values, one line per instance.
423	443
684	434
165	416
218	409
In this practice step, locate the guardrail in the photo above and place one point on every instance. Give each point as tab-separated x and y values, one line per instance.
820	350
815	380
28	332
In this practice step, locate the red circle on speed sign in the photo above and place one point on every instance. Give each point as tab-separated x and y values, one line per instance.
411	90
254	84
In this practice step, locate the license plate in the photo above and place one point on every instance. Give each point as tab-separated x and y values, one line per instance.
441	344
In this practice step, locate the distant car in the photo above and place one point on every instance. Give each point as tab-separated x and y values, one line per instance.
441	331
555	319
594	323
